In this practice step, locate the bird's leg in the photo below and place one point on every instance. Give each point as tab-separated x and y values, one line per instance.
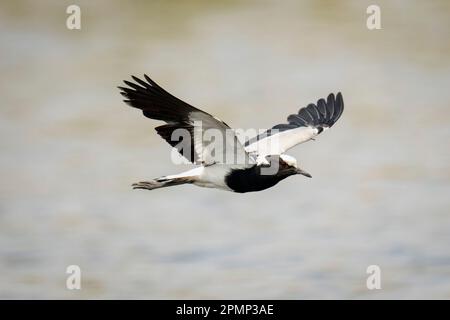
162	182
149	185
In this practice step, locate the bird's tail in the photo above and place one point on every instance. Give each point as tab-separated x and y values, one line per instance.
162	182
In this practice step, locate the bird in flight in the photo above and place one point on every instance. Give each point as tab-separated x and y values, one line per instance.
226	163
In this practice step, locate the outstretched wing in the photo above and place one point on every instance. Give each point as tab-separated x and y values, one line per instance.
301	127
200	137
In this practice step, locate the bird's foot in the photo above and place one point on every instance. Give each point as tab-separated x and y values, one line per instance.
148	185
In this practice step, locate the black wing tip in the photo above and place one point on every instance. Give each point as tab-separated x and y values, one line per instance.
339	106
134	90
324	113
335	95
138	81
135	78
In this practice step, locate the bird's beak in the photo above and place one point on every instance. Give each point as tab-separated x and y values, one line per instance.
306	174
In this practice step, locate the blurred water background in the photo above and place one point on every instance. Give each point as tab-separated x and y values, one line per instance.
70	150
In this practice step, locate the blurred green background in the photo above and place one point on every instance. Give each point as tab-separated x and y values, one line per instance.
70	150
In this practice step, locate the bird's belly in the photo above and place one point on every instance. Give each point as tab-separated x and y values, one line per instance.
213	177
208	184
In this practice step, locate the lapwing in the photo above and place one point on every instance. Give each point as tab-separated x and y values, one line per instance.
255	165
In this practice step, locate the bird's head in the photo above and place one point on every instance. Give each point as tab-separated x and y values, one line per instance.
290	165
287	165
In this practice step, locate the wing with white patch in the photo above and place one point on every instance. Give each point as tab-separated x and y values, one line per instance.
200	137
301	127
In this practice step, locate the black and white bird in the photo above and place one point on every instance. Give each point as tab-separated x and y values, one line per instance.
256	156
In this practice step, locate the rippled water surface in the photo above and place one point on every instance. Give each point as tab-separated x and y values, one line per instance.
71	149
